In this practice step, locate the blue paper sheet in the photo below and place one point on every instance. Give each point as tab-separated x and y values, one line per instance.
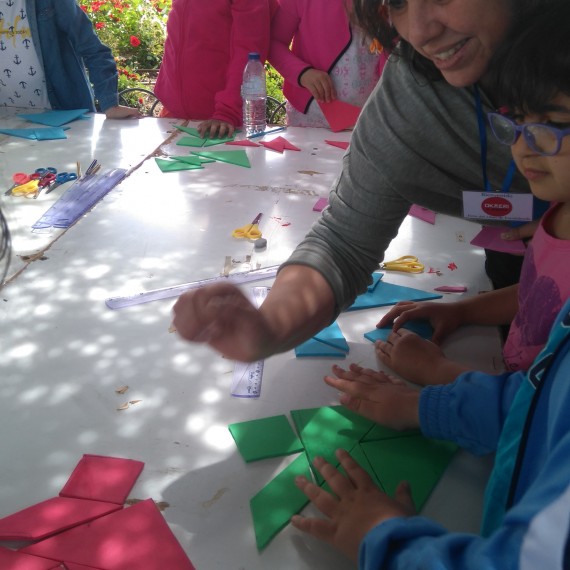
55	118
422	328
388	294
330	342
41	134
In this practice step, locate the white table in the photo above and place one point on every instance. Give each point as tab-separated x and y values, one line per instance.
64	353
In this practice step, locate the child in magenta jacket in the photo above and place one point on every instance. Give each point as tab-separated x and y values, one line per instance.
206	50
329	58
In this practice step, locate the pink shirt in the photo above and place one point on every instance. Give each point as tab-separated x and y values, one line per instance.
205	52
543	289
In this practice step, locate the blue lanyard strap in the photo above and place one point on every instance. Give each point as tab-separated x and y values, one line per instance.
483	144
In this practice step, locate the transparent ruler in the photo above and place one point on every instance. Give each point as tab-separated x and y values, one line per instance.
246	380
177	290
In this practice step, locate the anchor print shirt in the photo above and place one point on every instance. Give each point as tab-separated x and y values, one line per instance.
22	79
544	287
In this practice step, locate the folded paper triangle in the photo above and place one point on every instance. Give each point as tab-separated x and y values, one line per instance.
340	115
133	538
12	560
237	157
340	144
328	342
279	144
102	478
55	118
167	165
40	134
389	294
206	141
244	142
191	141
421	328
423	214
52	516
73	566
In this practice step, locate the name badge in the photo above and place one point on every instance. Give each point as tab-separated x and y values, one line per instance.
497	206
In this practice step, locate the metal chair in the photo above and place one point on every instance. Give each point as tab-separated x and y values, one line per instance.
150	105
275	111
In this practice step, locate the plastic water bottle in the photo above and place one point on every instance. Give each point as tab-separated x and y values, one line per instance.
254	95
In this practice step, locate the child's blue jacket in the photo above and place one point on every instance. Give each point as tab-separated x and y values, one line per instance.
530	528
67	44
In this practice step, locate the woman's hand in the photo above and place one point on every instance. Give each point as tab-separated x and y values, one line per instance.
356	507
319	83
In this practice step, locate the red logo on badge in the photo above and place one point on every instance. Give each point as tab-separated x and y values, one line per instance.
496	206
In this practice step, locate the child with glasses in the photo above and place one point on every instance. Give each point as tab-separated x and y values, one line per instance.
523	417
537	128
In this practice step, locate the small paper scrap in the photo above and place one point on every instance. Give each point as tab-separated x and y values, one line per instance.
451	289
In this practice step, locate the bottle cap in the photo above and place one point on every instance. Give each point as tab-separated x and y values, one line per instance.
253	55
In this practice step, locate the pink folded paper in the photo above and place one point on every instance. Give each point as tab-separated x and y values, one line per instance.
340	115
244	142
490	238
134	538
422	214
320	205
339	144
279	144
52	516
11	560
73	566
451	289
102	478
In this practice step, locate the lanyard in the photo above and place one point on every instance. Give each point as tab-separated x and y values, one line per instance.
483	144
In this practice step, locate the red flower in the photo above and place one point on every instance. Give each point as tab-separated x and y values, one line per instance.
135	42
99	25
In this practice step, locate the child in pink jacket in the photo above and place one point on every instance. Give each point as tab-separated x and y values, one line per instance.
329	58
206	50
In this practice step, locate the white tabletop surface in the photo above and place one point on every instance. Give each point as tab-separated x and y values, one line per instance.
64	353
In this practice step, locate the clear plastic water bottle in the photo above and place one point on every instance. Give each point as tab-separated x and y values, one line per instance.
254	95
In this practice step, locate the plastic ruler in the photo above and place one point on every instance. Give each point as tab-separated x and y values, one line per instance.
177	290
79	199
247	376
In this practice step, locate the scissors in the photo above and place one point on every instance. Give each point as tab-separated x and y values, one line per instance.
44	182
60	179
249	231
406	263
21	178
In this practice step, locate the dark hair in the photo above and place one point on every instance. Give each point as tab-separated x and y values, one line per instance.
5	248
533	65
373	17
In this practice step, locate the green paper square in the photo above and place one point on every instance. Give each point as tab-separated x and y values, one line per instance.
324	430
416	459
273	507
189	130
266	437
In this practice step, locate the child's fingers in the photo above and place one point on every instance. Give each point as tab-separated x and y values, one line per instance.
319	528
403	495
339	484
357	475
324	501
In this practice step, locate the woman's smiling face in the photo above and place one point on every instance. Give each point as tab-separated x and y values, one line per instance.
458	36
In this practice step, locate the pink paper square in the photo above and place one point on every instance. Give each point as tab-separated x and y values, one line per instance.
320	205
340	115
52	516
490	238
102	478
134	538
422	214
11	560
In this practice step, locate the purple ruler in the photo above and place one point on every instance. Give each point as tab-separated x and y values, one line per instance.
79	199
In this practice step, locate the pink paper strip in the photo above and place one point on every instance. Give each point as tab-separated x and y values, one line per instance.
451	289
320	205
490	238
52	516
242	143
422	214
102	478
135	538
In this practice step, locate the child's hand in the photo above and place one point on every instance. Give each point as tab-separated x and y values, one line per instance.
521	232
319	83
356	509
381	398
443	317
215	128
122	112
416	359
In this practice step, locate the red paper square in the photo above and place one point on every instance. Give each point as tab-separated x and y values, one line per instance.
11	560
134	538
52	516
102	478
340	115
